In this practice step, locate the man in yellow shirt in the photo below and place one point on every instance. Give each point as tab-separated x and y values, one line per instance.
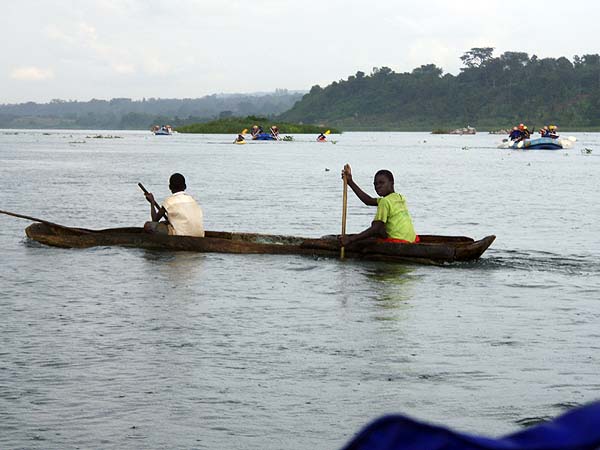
392	221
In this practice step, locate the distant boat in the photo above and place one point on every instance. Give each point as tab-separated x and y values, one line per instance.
543	143
263	137
164	130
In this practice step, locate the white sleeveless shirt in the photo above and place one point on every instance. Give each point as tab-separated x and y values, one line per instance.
185	215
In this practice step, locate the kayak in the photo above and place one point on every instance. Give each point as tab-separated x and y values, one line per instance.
431	249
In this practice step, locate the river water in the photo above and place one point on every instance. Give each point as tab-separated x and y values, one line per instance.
128	348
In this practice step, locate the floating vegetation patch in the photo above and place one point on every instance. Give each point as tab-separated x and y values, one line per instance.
101	136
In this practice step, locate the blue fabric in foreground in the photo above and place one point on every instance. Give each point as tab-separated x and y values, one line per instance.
578	429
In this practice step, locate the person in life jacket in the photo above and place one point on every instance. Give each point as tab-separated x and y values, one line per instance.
321	137
514	134
274	132
524	133
256	130
552	133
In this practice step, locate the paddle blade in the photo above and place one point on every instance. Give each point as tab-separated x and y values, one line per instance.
244	131
327	132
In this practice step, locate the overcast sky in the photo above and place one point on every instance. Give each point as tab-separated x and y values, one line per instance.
83	49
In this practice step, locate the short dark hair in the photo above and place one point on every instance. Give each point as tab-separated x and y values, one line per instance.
177	182
386	173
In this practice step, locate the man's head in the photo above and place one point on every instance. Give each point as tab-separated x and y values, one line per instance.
383	182
177	183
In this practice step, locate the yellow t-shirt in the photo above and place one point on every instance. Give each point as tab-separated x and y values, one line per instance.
392	211
185	215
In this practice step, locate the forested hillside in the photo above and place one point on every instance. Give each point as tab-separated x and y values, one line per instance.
489	92
124	113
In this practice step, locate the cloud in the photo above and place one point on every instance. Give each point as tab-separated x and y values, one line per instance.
123	68
31	73
155	66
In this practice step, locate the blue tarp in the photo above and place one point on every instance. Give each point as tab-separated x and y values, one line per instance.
579	429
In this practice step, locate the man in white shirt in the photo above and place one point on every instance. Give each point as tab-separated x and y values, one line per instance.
183	215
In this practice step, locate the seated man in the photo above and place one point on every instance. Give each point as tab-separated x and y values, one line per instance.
392	221
183	214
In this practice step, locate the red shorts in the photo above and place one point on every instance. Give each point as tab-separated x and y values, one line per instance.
399	241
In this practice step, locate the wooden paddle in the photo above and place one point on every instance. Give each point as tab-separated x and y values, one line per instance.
35	219
156	205
344	207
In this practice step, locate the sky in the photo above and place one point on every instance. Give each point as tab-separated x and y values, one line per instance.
103	49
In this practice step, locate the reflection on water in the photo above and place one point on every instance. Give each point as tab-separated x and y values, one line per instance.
177	267
392	287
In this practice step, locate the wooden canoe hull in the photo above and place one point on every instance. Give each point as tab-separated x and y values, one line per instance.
431	250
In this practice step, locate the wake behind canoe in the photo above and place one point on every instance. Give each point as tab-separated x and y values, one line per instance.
431	249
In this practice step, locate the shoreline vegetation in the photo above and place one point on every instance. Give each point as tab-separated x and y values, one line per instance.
234	125
490	93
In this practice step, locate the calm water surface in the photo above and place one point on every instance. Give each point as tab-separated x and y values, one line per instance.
127	348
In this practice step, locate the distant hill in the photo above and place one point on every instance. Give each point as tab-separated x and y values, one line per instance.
124	113
489	92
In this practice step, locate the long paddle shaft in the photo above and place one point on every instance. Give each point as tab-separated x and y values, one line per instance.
156	205
34	219
344	207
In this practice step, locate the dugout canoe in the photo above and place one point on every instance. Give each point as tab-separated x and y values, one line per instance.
431	250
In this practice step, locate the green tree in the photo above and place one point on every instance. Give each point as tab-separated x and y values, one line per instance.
477	56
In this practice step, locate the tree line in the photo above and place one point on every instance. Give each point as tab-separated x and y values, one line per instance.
489	92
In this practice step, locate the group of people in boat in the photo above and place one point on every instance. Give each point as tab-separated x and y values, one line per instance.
164	129
180	214
257	133
521	132
549	131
